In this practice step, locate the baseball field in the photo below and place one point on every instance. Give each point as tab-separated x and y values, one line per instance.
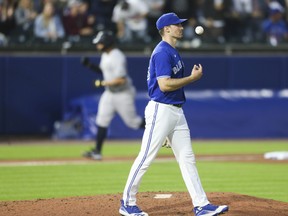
47	177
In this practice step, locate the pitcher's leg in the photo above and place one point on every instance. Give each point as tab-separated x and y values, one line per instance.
181	145
146	156
157	128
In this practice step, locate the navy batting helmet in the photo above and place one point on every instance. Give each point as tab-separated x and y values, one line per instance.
104	37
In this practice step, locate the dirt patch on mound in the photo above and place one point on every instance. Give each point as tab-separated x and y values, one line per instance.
108	205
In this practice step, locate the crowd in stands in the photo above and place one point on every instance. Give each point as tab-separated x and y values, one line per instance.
133	21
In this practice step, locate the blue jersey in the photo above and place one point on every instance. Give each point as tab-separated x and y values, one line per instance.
278	29
165	61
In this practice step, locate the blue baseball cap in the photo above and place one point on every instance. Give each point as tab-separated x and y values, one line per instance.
168	19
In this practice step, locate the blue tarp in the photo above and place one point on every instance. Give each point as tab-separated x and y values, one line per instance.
210	114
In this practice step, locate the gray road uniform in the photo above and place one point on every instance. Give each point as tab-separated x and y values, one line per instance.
117	99
119	94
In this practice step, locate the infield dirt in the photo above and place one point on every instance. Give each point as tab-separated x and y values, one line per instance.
108	205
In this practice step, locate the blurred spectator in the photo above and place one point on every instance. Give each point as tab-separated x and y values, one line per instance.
257	17
187	9
156	9
236	21
77	22
59	5
243	20
103	10
48	26
284	4
130	17
88	17
275	27
211	17
25	16
286	10
7	20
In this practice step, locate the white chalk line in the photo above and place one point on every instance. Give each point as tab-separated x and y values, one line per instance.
109	160
68	162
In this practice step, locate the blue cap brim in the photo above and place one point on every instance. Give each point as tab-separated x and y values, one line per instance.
179	21
183	20
168	19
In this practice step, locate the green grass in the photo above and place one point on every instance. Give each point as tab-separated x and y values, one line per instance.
34	182
54	150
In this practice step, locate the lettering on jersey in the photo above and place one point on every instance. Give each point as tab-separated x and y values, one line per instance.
148	74
177	67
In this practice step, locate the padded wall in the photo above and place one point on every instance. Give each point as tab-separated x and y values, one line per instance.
35	91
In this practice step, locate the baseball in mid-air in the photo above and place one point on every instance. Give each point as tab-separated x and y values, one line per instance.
199	30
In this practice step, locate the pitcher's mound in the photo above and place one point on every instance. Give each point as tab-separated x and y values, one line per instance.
154	203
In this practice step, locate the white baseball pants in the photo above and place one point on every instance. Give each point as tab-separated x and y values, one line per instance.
163	120
122	103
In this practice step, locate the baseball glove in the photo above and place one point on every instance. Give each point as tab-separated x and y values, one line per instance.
86	62
166	143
